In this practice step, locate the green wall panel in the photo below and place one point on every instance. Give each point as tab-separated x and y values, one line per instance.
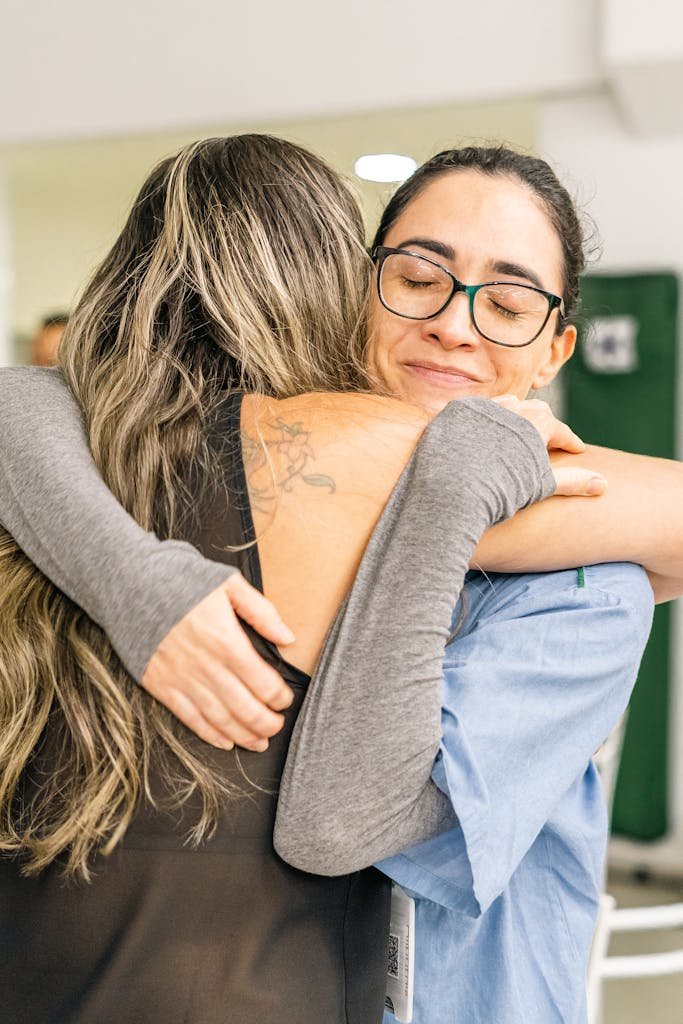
620	391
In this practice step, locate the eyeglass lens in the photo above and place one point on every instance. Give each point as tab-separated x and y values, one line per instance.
510	313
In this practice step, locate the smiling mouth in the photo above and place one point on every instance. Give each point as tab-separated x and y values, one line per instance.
442	374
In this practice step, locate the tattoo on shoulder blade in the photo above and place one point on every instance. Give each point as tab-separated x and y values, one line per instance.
290	442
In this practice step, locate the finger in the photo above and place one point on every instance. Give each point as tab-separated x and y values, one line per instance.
180	705
230	707
563	438
205	705
571	480
257	610
238	654
508	402
203	695
185	709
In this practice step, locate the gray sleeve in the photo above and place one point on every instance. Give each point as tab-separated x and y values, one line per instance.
357	786
56	506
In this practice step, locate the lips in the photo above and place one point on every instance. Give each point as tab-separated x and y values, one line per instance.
444	374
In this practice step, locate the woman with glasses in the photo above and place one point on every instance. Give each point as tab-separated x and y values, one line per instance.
439	356
538	667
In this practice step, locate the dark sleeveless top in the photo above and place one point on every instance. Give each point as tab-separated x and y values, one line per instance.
223	934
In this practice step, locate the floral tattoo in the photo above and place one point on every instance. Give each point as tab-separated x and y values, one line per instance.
291	442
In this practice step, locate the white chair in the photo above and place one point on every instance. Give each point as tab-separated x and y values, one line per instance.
612	919
647	965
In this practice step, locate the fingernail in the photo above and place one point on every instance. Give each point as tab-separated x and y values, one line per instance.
596	485
259	746
227	745
286	635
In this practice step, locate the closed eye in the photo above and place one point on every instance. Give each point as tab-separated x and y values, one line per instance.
509	314
410	282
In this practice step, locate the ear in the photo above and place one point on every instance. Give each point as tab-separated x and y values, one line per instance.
561	349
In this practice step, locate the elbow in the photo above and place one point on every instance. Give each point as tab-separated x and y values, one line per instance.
318	848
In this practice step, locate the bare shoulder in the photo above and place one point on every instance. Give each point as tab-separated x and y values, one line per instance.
320	468
340	415
330	442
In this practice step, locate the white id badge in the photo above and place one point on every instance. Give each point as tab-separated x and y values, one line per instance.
401	965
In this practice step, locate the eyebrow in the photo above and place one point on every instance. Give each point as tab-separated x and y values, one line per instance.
431	244
447	252
517	270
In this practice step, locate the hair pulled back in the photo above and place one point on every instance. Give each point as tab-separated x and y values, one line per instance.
534	173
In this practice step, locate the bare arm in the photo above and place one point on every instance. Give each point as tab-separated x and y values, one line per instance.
202	669
638	519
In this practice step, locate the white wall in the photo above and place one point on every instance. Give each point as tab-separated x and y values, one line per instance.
69	199
6	274
632	188
76	67
634	32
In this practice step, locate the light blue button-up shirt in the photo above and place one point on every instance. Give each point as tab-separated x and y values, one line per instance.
540	672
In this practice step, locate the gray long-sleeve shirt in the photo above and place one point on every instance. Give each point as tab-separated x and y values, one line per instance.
357	784
58	509
370	728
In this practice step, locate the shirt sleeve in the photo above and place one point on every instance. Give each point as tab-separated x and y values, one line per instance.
534	683
56	506
356	786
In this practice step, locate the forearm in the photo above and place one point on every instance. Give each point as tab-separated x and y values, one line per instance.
638	519
357	784
56	506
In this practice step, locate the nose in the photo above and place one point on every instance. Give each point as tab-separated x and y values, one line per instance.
453	328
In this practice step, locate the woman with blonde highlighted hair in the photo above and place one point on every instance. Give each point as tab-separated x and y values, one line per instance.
209	356
221	328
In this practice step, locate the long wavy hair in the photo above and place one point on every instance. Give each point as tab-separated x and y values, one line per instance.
241	265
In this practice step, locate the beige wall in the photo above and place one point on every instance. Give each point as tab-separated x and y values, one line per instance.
67	200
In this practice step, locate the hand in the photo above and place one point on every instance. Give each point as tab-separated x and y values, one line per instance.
570	480
573	481
554	432
208	674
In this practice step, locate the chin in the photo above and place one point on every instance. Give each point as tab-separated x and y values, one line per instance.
435	399
433	403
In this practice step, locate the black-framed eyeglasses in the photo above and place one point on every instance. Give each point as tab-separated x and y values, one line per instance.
419	288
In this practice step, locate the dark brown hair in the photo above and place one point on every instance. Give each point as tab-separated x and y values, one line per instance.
531	171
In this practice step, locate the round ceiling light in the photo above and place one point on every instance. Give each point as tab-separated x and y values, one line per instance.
384	167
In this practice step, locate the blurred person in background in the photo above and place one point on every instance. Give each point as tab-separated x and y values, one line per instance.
45	343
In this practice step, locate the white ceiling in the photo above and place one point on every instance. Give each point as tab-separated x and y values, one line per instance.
642	48
81	68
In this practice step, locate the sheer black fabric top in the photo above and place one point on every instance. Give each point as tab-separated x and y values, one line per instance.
170	934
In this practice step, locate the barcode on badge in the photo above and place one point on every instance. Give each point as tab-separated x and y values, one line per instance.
393	969
400	961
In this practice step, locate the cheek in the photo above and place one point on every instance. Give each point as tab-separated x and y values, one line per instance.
372	348
383	337
514	372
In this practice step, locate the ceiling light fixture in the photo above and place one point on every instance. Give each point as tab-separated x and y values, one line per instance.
387	167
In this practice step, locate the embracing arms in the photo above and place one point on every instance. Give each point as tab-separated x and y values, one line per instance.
54	503
638	519
357	781
57	508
